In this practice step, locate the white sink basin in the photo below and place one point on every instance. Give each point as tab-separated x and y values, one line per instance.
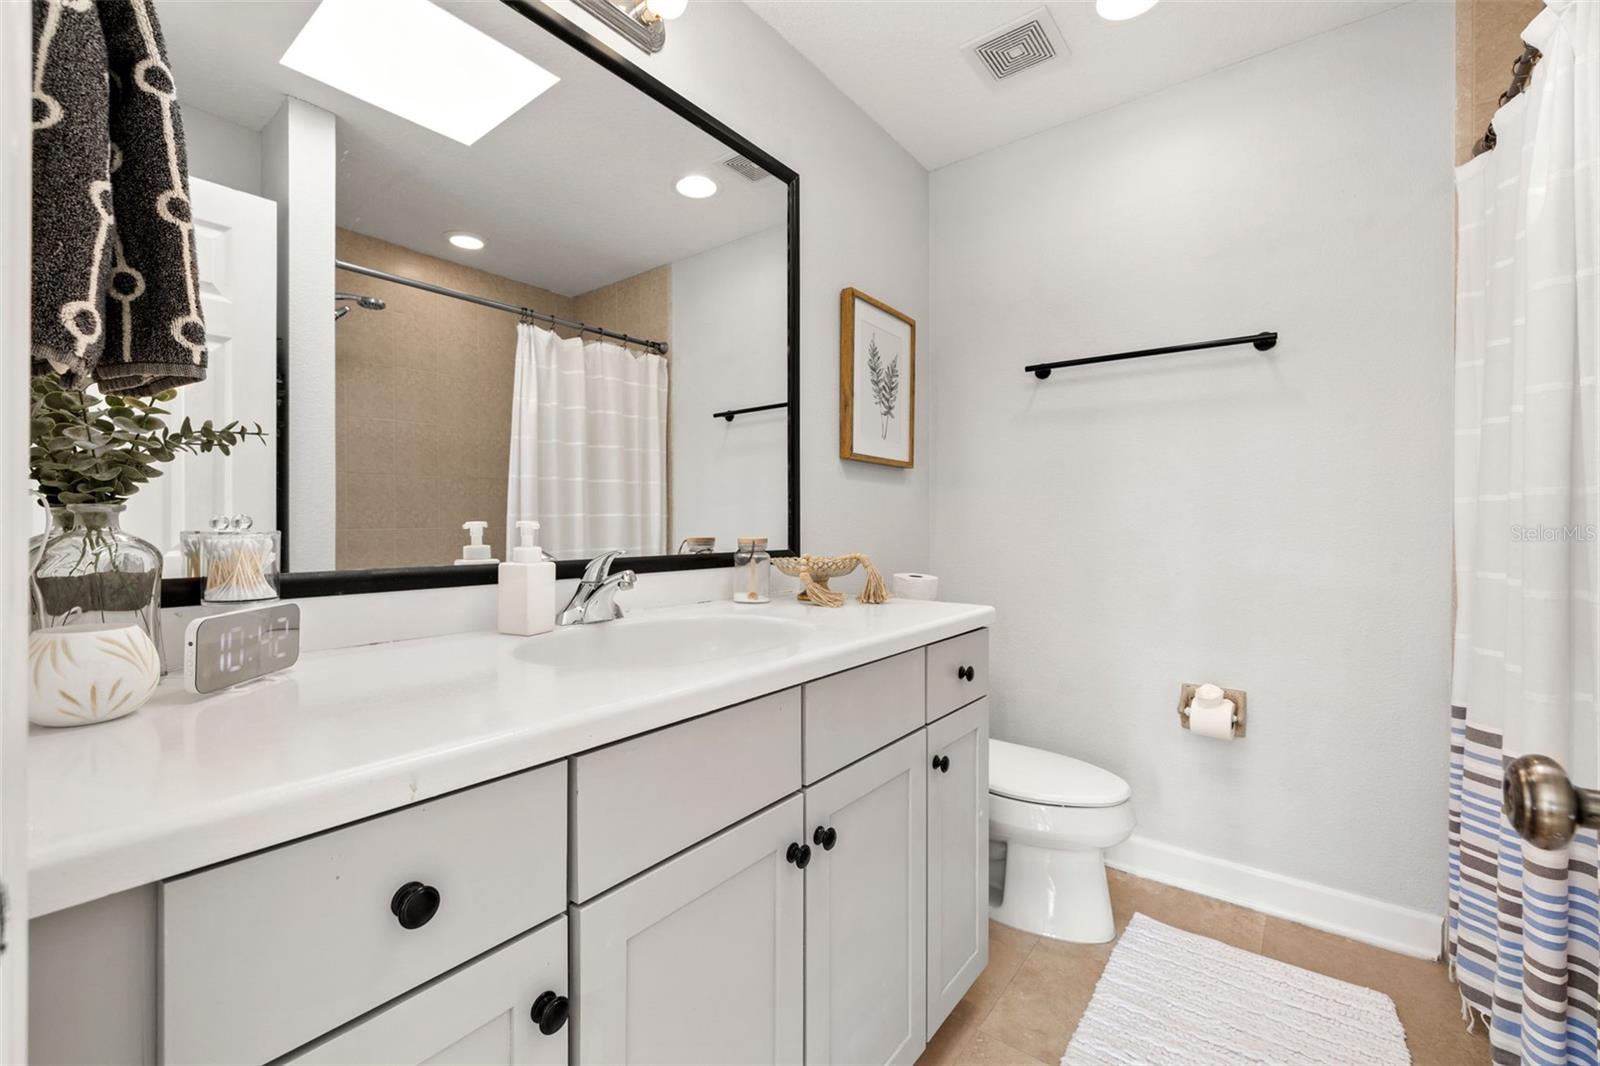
643	643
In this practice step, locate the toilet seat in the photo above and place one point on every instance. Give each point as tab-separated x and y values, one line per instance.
1050	779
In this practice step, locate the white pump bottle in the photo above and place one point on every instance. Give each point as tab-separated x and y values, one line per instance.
527	586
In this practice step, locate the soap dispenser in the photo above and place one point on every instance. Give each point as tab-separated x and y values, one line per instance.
476	552
527	586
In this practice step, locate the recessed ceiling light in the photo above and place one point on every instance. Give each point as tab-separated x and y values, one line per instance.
1122	10
696	186
419	62
470	241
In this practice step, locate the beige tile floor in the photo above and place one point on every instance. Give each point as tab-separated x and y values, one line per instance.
1023	1008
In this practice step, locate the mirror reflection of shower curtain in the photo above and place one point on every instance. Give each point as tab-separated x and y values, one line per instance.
588	445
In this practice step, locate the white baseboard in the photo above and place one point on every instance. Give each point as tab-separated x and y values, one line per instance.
1371	921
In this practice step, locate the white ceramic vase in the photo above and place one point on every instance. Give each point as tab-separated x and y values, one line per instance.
89	672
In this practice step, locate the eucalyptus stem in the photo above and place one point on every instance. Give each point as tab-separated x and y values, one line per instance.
93	449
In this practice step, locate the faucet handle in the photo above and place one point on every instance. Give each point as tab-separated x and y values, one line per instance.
599	567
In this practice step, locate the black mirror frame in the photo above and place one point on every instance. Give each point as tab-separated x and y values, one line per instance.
186	592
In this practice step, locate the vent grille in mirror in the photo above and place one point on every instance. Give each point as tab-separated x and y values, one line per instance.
744	168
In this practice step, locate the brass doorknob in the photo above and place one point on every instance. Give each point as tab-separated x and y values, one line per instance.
1542	805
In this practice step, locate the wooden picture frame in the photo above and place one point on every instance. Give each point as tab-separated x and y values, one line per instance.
874	338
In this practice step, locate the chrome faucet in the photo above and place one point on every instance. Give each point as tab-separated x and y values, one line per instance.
595	599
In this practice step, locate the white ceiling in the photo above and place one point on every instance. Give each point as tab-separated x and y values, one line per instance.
904	62
571	193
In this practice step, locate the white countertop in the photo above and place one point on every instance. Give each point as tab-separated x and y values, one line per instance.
186	782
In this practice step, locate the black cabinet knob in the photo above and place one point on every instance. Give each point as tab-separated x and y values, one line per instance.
941	763
550	1011
825	838
966	673
415	904
799	854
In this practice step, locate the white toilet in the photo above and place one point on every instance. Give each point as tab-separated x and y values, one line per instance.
1055	816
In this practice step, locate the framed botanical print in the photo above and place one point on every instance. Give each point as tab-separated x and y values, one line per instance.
877	381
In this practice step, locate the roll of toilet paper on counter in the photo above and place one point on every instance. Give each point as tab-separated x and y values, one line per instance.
916	586
1211	713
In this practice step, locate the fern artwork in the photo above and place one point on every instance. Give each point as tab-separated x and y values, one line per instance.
877	382
885	384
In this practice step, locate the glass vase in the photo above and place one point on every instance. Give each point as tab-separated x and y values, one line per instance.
86	569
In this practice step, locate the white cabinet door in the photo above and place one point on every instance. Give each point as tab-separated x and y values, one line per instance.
958	857
482	1014
866	890
18	520
236	244
699	960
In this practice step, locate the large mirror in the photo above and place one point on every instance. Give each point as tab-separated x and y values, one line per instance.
535	293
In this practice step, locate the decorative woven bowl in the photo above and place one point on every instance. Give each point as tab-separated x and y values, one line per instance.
815	570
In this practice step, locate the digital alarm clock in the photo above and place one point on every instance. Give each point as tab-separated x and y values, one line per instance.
224	650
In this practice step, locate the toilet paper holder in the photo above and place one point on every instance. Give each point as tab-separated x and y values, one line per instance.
1235	695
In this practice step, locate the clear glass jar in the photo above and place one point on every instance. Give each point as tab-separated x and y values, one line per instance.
752	571
86	569
240	564
240	567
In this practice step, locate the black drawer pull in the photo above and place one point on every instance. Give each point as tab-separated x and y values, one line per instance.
415	904
550	1011
941	763
799	854
966	673
825	838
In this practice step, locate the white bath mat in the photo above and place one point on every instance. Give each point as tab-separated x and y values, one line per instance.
1170	997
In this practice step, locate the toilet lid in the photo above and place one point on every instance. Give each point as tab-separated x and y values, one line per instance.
1034	776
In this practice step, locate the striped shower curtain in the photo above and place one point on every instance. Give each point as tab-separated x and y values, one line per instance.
588	445
1524	923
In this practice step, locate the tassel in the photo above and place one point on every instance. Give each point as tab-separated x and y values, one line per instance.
820	594
875	590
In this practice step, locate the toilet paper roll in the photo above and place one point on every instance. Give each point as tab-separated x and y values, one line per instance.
916	586
1214	721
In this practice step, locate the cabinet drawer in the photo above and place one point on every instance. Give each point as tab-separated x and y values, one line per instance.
640	801
958	672
260	955
481	1013
857	712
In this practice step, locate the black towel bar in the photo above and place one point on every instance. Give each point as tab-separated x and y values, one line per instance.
1262	341
729	415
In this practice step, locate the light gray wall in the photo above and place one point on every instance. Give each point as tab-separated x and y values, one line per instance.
222	151
1278	523
863	223
729	350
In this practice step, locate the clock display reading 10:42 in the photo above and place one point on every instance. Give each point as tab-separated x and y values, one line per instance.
225	650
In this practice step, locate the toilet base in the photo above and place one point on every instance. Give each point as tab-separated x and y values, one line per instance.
1059	894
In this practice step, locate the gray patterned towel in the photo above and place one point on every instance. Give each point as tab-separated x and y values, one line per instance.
116	290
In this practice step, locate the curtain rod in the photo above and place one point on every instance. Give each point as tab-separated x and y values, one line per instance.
1521	71
483	301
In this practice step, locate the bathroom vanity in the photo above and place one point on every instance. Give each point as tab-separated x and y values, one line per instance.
699	834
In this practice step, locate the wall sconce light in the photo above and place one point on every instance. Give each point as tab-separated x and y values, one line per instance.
642	22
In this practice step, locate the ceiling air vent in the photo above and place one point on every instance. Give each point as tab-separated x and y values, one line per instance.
1021	45
744	168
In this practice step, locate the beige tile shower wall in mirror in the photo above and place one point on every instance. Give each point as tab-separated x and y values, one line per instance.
330	214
